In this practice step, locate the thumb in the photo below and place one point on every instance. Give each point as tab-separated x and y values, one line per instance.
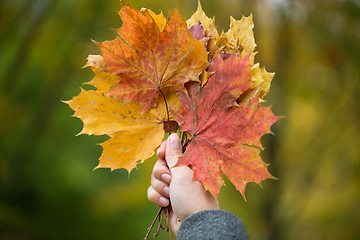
173	150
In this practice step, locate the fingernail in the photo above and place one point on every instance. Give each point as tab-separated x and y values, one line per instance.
167	191
163	201
175	140
166	177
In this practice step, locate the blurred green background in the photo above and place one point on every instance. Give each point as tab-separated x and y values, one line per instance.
47	187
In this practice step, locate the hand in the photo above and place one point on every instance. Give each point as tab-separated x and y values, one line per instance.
175	185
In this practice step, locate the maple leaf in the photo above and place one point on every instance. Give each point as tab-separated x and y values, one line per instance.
199	16
150	60
261	79
225	136
239	38
133	136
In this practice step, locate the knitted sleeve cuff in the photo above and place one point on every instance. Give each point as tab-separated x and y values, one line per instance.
212	224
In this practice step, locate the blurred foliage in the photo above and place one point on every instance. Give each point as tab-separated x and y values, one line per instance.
47	187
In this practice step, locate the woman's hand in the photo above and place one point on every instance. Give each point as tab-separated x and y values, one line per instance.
175	185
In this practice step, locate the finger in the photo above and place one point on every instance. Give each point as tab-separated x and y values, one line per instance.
161	171
157	198
161	150
173	150
160	186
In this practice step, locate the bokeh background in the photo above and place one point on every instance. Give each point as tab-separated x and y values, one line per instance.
48	189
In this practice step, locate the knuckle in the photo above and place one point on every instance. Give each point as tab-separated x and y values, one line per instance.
153	181
157	185
157	173
151	194
148	191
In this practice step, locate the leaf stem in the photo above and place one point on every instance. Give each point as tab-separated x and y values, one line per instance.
168	221
166	105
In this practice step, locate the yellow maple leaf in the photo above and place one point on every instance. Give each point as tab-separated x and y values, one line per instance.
133	136
127	149
199	15
261	79
240	36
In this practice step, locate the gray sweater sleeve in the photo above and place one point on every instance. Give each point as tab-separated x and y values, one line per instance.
212	224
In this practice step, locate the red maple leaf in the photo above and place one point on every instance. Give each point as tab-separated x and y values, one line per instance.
225	136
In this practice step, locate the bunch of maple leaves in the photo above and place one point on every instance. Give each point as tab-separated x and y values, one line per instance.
172	75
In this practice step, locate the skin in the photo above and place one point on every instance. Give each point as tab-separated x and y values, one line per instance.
175	185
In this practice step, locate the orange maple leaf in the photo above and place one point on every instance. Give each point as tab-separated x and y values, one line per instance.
225	136
150	60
